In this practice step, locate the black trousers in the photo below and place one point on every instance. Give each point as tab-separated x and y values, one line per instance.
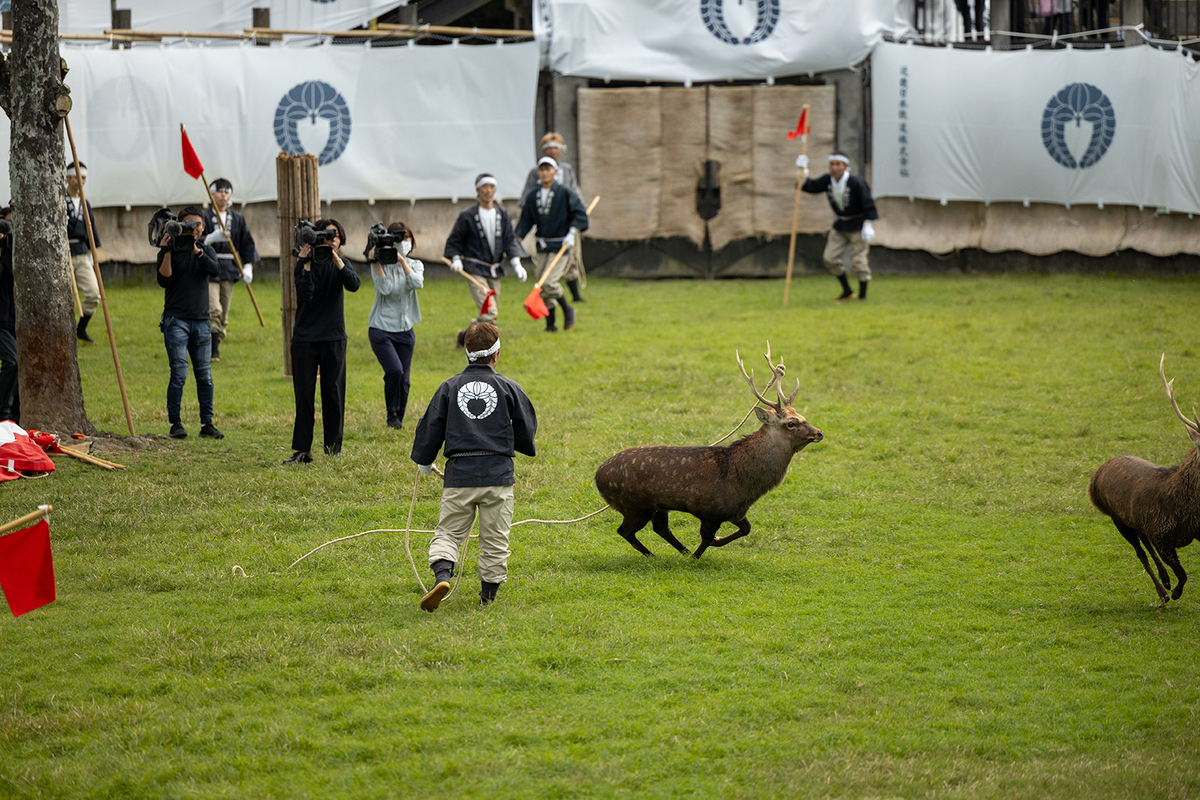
330	358
10	406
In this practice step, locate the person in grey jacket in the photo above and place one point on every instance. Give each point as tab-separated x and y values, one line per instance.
390	325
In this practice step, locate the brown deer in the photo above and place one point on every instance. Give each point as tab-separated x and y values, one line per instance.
715	484
1158	507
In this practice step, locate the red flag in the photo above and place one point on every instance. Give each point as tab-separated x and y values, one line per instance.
802	126
191	161
27	568
489	302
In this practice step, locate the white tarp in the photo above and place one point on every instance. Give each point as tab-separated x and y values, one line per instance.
227	16
708	40
1064	126
402	122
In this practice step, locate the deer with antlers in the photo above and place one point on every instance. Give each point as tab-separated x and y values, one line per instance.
714	484
1154	507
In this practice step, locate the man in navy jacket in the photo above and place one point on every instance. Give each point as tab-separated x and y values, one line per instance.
850	198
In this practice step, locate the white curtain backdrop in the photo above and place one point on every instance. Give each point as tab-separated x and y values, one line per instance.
1062	126
707	40
402	122
227	16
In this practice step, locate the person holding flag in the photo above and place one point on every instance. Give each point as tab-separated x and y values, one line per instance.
558	214
226	230
850	198
482	237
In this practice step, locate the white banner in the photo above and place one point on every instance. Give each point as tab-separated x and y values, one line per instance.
401	122
1062	126
225	16
709	40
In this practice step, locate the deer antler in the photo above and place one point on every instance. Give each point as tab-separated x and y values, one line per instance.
776	376
779	371
1193	427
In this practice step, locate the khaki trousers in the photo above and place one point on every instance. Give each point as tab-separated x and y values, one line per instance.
478	294
835	253
495	505
575	270
85	282
220	294
551	289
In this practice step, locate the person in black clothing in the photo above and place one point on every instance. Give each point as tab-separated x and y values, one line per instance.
319	342
559	216
237	233
10	405
185	264
482	418
850	198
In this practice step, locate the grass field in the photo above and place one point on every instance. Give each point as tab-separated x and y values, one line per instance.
928	606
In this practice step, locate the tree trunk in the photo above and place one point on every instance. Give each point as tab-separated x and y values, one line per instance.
51	392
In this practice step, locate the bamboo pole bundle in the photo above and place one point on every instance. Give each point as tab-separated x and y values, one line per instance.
298	187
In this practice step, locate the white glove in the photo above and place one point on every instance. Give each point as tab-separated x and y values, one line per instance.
426	469
248	273
868	231
216	236
518	270
569	239
802	163
456	265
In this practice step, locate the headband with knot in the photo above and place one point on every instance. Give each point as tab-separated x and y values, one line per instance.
478	354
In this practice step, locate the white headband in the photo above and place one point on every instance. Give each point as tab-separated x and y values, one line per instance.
477	354
212	187
548	160
553	143
839	157
484	181
82	170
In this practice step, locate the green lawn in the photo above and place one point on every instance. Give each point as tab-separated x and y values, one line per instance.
927	606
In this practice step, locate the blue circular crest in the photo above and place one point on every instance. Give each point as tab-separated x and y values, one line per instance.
310	100
713	14
1078	103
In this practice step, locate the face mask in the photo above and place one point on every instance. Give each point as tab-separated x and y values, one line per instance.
405	247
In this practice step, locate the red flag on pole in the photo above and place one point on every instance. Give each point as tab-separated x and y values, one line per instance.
801	127
27	568
191	161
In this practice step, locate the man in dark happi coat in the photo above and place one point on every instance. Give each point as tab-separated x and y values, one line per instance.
558	214
850	198
237	233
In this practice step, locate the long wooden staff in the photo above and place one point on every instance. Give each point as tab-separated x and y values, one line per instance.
87	221
787	284
549	268
469	276
28	519
237	259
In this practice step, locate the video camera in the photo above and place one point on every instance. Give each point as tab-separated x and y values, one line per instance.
305	233
164	223
384	243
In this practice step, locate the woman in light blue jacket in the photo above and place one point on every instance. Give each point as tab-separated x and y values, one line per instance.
393	316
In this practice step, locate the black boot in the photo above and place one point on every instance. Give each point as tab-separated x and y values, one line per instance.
443	571
573	285
568	314
487	592
81	329
391	397
847	292
550	322
215	351
862	290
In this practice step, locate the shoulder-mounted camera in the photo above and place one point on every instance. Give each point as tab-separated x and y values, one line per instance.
305	233
165	223
384	244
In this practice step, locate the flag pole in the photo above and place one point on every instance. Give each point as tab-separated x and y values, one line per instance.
25	521
87	221
787	284
237	259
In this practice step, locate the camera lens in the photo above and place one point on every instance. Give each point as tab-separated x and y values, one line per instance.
388	255
323	253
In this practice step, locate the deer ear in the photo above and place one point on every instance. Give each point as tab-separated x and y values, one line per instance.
764	415
1195	437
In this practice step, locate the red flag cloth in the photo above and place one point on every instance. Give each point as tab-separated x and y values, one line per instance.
191	161
19	453
801	126
489	302
46	441
535	305
27	568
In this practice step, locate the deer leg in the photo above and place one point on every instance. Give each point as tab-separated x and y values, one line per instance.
663	528
629	527
1170	556
743	527
1134	538
708	530
1163	576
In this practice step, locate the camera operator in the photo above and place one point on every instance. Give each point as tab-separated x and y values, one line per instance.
185	265
319	339
390	325
81	253
10	406
236	234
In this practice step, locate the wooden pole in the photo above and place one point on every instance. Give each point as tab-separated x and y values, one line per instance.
298	194
237	259
112	339
91	459
469	276
787	284
28	519
549	267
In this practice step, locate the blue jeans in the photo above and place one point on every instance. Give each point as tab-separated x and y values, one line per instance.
184	338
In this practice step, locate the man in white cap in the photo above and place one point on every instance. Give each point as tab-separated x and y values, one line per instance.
81	253
480	241
850	198
559	216
236	233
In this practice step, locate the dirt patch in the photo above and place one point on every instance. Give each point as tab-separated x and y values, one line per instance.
105	442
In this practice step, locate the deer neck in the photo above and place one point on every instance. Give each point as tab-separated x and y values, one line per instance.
761	460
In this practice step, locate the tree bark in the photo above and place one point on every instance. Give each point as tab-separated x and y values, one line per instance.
51	392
